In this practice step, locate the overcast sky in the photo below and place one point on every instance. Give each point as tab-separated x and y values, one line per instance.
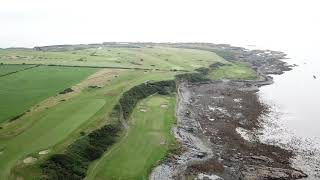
42	22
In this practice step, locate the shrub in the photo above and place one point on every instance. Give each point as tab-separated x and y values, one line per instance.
16	117
216	65
68	90
82	133
73	164
63	167
192	77
203	70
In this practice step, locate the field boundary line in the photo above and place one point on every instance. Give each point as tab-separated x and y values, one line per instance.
107	67
13	72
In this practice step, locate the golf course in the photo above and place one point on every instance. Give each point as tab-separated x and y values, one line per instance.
55	99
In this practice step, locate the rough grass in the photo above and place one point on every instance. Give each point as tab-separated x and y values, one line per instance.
237	71
24	89
147	141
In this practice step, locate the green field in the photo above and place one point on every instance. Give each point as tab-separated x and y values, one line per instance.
24	89
147	141
150	58
240	71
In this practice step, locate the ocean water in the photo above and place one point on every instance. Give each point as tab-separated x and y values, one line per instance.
294	98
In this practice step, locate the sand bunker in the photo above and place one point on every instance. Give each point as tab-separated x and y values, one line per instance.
165	106
163	142
44	152
29	160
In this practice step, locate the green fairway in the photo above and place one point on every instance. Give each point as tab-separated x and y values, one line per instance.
22	90
239	71
54	125
150	58
148	140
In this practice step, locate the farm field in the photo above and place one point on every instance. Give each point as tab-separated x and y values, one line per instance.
147	141
22	90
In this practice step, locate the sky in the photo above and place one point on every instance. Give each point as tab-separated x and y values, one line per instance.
264	22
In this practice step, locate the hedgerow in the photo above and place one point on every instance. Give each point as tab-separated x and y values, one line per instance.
203	70
192	77
73	164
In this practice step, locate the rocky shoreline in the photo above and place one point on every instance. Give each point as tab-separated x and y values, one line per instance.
215	125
